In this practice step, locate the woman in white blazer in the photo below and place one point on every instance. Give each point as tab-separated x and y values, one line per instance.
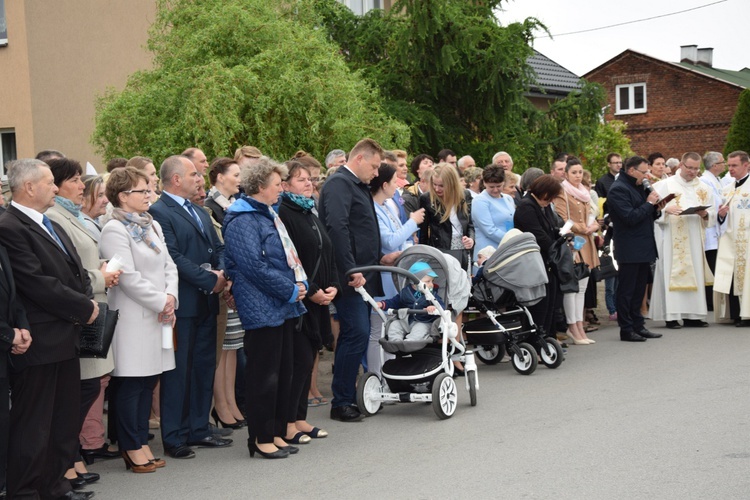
146	298
67	213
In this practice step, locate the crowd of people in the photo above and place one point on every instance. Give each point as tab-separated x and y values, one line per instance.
227	296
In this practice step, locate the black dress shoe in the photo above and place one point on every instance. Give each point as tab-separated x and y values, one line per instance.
180	452
90	455
289	449
694	323
675	325
77	495
348	413
89	477
77	483
646	334
253	448
211	442
219	431
631	337
741	323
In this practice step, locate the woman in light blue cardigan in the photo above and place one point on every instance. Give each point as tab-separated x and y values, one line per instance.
492	211
394	237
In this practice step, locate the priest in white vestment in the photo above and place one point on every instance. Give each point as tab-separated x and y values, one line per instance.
732	283
681	270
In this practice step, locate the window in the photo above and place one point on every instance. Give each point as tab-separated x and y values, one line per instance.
7	148
3	25
631	98
361	7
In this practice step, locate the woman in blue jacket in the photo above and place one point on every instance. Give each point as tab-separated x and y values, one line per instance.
269	284
492	210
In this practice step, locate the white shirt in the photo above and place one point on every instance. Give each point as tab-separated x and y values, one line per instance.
33	215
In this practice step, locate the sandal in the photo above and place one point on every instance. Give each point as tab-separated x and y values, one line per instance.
590	328
316	433
321	400
312	402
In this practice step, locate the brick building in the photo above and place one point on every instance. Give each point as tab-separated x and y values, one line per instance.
671	107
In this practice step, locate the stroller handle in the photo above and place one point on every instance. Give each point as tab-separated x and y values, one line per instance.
383	269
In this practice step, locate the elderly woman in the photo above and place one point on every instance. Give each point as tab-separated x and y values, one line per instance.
269	286
297	211
94	203
447	223
146	299
67	213
574	204
224	177
492	211
394	237
534	215
473	178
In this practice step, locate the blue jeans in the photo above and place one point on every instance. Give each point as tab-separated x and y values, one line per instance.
354	316
610	291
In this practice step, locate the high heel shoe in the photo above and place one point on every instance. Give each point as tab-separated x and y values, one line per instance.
219	422
591	341
253	448
158	462
579	342
137	468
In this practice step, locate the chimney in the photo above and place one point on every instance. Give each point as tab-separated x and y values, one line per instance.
689	54
706	57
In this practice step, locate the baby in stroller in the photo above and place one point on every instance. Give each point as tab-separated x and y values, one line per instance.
416	327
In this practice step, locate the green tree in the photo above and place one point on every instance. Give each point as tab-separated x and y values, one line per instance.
457	77
609	138
233	72
738	137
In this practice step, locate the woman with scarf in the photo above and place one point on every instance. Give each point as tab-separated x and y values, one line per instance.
67	213
394	237
224	176
297	211
146	299
574	204
269	284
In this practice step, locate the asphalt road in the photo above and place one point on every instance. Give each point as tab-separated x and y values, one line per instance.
664	419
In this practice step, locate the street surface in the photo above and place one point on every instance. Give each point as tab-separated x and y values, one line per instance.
665	419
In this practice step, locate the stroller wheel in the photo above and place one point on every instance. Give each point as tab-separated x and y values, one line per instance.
554	357
368	388
489	354
525	364
444	396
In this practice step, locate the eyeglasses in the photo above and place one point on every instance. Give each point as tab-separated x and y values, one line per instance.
139	191
644	172
692	169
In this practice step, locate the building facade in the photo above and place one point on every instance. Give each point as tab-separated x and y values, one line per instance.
671	107
58	57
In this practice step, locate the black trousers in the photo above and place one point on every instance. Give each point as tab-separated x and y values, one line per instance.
631	288
543	312
711	259
589	300
4	423
304	357
269	378
134	396
44	428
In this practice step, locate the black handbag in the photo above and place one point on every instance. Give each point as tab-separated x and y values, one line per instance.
605	270
560	259
581	269
96	338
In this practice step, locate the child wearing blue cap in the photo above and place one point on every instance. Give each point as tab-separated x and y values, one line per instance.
420	326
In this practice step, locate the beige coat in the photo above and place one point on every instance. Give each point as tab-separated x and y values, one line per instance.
88	249
579	214
146	280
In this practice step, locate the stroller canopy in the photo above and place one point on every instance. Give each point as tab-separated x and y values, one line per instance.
517	266
453	283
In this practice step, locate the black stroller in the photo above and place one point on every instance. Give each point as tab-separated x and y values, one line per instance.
422	370
513	278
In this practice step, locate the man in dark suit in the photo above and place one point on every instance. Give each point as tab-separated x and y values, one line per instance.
633	211
14	338
187	390
45	381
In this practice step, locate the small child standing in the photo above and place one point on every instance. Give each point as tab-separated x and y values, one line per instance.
420	326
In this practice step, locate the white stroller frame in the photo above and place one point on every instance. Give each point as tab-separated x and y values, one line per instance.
372	392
